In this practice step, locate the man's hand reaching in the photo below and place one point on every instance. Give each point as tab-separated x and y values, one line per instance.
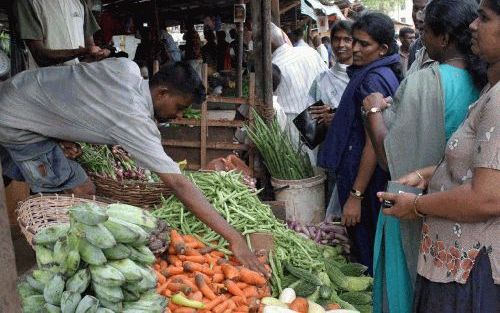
246	257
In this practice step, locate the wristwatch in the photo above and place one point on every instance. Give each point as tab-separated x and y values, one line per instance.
357	194
371	110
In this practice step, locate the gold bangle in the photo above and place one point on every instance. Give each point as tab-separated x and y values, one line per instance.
415	206
419	175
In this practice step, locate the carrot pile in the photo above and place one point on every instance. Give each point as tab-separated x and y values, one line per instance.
199	279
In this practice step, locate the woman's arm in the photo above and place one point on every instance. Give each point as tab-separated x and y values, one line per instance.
375	125
470	203
352	209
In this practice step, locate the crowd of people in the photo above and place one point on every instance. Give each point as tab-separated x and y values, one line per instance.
423	113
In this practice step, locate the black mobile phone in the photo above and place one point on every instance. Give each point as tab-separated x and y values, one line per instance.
395	187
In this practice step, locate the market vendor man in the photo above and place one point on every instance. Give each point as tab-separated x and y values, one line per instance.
106	102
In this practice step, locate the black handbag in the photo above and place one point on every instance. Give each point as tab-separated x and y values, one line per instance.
311	132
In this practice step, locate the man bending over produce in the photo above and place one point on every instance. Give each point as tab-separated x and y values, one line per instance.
105	102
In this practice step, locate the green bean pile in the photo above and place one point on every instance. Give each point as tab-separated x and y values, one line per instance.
244	211
281	158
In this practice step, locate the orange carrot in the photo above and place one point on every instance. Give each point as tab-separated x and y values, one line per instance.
161	288
218	278
205	250
197	296
187	281
230	272
251	291
233	288
217	269
251	277
202	285
333	306
195	267
300	305
217	254
213	303
161	279
227	311
174	260
231	306
221	261
241	309
171	271
177	242
167	293
171	250
176	287
193	258
192	252
184	310
221	307
172	306
156	266
242	285
239	301
167	310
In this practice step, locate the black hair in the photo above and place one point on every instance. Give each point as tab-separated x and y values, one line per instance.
406	30
180	78
341	25
276	77
325	40
298	33
494	5
453	17
380	27
233	33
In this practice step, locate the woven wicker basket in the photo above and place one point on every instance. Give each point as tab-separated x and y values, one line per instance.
40	211
138	193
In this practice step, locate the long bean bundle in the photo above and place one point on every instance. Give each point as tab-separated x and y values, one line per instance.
281	158
244	211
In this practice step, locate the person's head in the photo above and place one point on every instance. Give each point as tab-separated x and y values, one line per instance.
209	35
276	77
342	41
373	38
417	13
407	37
278	38
174	88
317	41
296	35
447	34
221	36
233	33
325	40
486	31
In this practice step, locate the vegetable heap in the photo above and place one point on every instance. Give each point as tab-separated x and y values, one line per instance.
325	233
99	262
114	163
195	276
281	158
244	211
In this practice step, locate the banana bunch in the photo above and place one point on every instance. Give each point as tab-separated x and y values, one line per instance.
99	262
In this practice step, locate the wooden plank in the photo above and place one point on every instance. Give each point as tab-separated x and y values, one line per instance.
216	99
288	6
208	145
9	300
204	127
275	12
210	123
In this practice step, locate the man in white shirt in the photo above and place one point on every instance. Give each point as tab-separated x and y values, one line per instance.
320	47
104	102
299	67
57	32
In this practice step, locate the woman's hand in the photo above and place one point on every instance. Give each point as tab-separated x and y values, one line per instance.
351	214
323	114
403	204
376	100
414	180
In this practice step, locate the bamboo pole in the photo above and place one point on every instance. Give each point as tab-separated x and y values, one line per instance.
239	68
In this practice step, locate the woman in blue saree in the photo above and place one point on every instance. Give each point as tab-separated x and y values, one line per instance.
347	150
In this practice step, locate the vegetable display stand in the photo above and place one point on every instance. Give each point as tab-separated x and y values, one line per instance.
40	211
134	192
305	198
212	136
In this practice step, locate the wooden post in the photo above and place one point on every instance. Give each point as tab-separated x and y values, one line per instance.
275	11
261	31
203	122
239	67
9	300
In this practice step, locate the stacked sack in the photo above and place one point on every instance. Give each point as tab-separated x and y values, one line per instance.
98	263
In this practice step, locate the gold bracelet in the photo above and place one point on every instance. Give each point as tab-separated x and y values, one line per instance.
415	206
419	175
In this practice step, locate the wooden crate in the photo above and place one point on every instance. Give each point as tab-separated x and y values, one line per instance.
200	141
